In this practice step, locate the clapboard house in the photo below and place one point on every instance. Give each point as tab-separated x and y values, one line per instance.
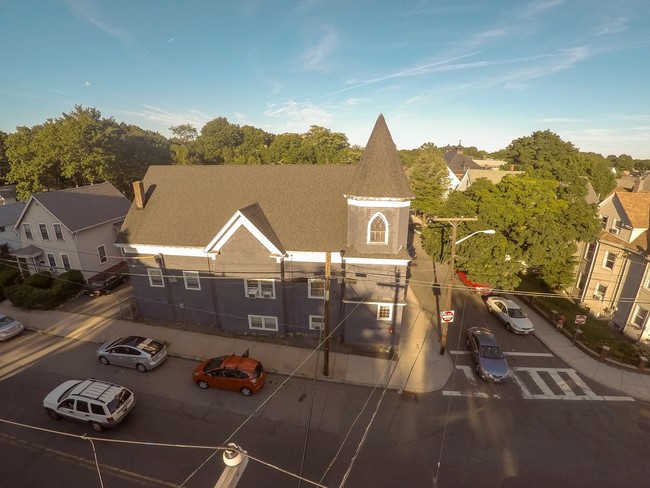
266	249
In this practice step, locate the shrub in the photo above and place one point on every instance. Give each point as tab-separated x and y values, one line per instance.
42	279
31	297
10	276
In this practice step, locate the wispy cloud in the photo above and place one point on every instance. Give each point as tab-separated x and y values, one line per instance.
612	26
316	57
560	120
537	7
87	12
156	114
298	116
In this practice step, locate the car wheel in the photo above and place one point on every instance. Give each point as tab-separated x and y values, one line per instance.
53	415
141	367
203	384
104	360
508	327
467	342
96	426
246	391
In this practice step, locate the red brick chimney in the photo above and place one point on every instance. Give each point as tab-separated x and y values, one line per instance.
139	196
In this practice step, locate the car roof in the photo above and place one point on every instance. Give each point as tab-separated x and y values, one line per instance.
484	336
508	303
239	362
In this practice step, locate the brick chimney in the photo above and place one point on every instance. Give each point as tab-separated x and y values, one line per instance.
139	196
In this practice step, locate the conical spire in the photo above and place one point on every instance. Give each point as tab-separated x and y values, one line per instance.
380	173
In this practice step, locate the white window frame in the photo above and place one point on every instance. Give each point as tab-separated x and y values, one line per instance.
65	259
156	279
103	257
315	322
603	221
616	227
260	288
384	306
597	294
58	232
27	229
45	234
369	231
646	282
269	323
192	280
51	260
606	260
637	314
321	291
590	251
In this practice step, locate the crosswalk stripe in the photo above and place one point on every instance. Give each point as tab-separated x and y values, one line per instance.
555	374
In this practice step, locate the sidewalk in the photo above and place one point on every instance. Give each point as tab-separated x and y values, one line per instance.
420	367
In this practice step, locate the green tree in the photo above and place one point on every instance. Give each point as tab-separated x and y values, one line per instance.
429	179
290	148
535	229
328	147
4	161
217	141
622	163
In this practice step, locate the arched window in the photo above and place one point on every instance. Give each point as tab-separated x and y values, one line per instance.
377	230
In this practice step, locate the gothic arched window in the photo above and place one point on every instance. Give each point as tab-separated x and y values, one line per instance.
377	230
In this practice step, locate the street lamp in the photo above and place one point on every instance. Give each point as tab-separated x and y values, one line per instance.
452	265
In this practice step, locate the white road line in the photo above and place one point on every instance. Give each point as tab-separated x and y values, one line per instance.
523	354
540	384
578	381
559	381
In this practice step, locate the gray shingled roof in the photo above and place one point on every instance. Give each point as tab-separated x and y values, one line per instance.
10	212
85	206
460	163
298	207
381	174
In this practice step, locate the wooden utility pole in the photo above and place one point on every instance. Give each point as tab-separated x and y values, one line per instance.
450	276
326	315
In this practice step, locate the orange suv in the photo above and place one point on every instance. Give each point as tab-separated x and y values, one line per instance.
237	373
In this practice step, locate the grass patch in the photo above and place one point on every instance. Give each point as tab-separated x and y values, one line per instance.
596	333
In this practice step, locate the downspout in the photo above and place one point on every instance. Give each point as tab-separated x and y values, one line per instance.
591	271
215	298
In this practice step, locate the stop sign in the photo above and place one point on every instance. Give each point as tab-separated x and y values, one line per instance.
447	316
581	319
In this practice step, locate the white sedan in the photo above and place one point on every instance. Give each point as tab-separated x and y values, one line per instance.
515	319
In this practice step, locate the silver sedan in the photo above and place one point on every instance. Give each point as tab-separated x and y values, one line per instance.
133	352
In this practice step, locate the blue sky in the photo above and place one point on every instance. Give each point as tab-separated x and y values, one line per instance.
483	72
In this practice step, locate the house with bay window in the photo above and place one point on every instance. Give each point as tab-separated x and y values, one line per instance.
73	228
275	249
613	278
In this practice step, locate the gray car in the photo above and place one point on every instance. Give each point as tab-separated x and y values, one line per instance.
133	352
486	352
9	327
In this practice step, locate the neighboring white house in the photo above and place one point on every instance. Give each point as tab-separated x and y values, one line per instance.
9	214
72	229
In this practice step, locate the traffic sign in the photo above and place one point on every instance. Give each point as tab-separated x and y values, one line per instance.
581	319
447	316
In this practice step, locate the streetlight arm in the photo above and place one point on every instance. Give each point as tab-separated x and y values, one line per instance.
488	231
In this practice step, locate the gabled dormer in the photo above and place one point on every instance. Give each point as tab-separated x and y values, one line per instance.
625	215
379	197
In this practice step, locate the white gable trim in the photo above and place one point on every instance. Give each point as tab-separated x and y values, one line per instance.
379	203
319	257
153	250
227	231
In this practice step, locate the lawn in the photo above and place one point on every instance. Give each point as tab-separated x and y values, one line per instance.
596	333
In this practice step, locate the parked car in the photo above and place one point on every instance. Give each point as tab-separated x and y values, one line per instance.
9	327
104	285
515	319
480	288
136	352
99	403
487	354
238	373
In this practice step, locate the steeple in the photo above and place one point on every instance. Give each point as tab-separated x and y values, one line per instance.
380	174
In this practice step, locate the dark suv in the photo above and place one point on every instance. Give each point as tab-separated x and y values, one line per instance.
104	285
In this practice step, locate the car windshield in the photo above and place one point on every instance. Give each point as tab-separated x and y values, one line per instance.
119	400
214	363
491	352
6	320
516	313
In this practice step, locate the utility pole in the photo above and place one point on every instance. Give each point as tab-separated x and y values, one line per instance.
326	314
450	276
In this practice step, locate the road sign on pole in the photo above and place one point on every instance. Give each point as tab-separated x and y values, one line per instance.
447	316
581	319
